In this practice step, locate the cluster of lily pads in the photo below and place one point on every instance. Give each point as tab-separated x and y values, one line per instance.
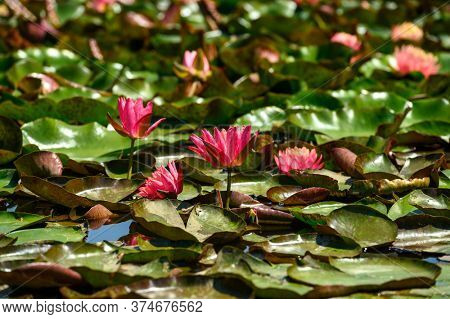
224	149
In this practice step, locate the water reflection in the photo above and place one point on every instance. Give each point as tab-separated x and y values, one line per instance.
109	232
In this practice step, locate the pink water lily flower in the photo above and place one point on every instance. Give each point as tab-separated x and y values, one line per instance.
347	39
412	59
101	5
226	148
135	118
197	64
298	159
164	183
407	31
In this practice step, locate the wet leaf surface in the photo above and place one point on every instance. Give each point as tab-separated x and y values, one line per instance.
343	276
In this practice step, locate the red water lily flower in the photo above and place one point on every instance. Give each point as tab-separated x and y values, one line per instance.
226	148
164	183
298	159
132	239
347	39
407	31
412	59
135	118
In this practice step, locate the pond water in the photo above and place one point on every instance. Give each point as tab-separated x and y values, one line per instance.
110	232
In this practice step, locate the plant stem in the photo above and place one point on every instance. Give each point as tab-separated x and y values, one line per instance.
227	205
130	160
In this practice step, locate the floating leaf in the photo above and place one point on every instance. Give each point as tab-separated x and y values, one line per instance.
85	192
207	222
315	244
364	225
8	180
162	218
294	195
344	276
12	221
156	248
425	239
321	178
85	142
252	183
48	234
39	275
343	122
263	119
40	164
268	281
10	140
201	170
376	166
83	255
187	287
73	110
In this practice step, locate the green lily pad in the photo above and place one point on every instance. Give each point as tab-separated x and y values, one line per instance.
201	170
212	223
263	119
186	287
344	276
126	274
376	166
268	281
438	205
205	222
294	195
435	109
83	255
162	218
321	178
85	192
40	164
74	110
343	122
8	180
47	234
364	224
190	190
315	244
257	183
156	248
82	143
12	221
426	239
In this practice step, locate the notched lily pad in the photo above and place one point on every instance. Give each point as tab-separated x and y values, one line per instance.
205	222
